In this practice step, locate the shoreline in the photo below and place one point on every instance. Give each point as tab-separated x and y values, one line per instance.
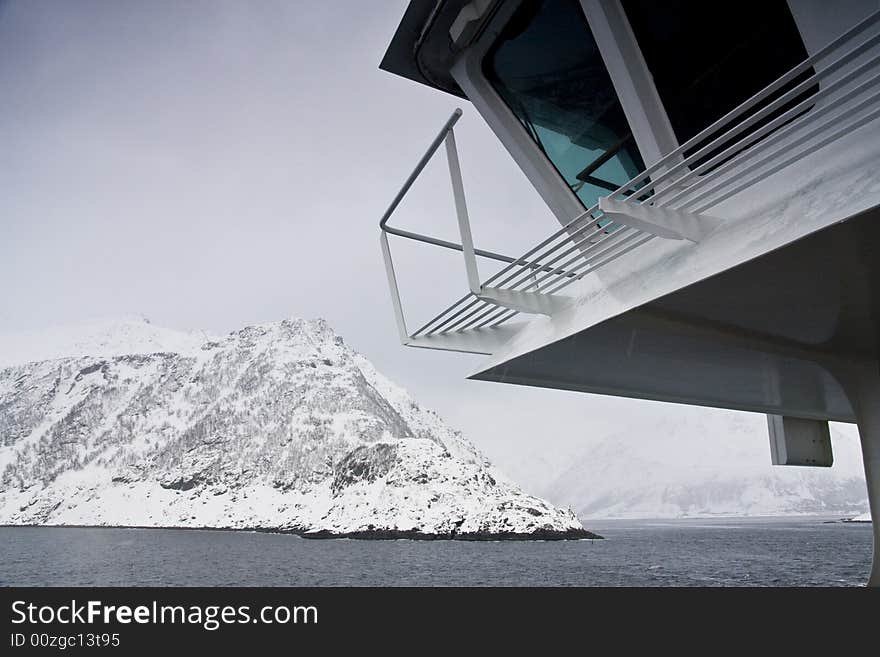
366	535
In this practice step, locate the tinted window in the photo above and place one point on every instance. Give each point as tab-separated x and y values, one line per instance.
706	58
547	69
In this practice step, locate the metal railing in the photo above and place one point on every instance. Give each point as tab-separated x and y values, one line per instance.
444	136
801	112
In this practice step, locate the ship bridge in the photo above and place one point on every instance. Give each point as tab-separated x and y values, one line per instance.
715	172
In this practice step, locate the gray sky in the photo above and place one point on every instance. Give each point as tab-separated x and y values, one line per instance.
215	164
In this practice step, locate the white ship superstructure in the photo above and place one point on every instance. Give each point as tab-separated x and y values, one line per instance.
715	171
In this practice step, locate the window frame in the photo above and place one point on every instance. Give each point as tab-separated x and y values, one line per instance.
631	78
629	75
467	71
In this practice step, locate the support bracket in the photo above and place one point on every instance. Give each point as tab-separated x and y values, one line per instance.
662	222
533	303
799	441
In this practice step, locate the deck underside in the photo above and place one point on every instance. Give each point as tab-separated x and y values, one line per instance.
762	336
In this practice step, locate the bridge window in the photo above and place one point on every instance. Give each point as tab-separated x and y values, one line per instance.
547	68
706	58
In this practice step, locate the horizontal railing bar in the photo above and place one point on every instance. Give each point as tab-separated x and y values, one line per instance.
510	312
751	102
622	238
439	328
574	244
474	302
797	142
783	131
550	251
502	319
646	237
442	314
530	272
493	308
811	149
427	239
575	248
454	325
766	111
811	132
542	244
613	241
471	322
499	311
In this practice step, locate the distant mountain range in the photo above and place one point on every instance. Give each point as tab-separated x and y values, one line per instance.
699	464
276	427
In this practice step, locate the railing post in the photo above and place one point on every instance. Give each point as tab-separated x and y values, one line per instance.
393	288
464	224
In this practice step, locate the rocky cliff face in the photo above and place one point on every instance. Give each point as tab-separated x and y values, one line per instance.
277	427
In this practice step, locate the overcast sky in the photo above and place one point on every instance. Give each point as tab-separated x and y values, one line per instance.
216	164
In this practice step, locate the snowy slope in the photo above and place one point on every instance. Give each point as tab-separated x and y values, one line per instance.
279	426
122	336
705	464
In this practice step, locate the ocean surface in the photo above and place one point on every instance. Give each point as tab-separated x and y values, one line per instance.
729	552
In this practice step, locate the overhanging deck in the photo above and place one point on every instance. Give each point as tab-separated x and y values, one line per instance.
590	301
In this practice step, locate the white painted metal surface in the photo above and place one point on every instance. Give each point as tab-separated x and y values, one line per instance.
769	175
863	387
468	73
698	190
660	221
798	441
631	78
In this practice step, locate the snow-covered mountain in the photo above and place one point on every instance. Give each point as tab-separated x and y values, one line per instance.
701	463
279	426
117	336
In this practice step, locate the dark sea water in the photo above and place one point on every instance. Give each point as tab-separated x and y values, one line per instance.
800	552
